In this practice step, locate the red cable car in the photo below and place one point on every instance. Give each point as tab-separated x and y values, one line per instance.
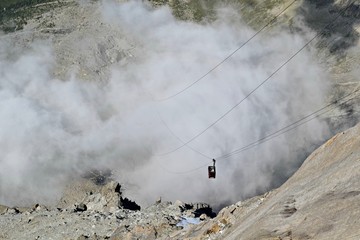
212	170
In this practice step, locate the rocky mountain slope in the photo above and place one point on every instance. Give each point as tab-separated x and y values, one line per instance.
320	201
98	210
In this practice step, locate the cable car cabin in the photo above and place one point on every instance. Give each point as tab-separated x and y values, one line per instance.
212	170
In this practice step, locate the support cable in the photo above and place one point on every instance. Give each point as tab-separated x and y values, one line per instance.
281	131
228	56
258	86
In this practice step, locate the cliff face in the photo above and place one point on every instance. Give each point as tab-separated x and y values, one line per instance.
320	201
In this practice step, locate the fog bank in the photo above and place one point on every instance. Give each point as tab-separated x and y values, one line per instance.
51	130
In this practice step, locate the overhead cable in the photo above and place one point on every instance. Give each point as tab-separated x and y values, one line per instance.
258	86
281	131
178	138
228	56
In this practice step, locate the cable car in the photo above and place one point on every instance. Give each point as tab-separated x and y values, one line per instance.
212	170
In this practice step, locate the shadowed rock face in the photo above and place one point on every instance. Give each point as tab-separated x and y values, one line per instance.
341	34
128	204
320	201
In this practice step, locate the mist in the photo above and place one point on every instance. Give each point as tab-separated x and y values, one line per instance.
53	130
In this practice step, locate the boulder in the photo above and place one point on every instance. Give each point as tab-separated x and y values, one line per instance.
97	197
80	207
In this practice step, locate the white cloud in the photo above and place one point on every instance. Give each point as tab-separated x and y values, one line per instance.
51	129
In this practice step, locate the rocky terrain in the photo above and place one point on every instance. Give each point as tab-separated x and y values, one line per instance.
97	210
320	201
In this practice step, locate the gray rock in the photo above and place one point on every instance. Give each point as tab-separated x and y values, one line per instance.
96	202
178	203
120	214
80	207
38	207
320	201
97	197
3	209
12	211
203	217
